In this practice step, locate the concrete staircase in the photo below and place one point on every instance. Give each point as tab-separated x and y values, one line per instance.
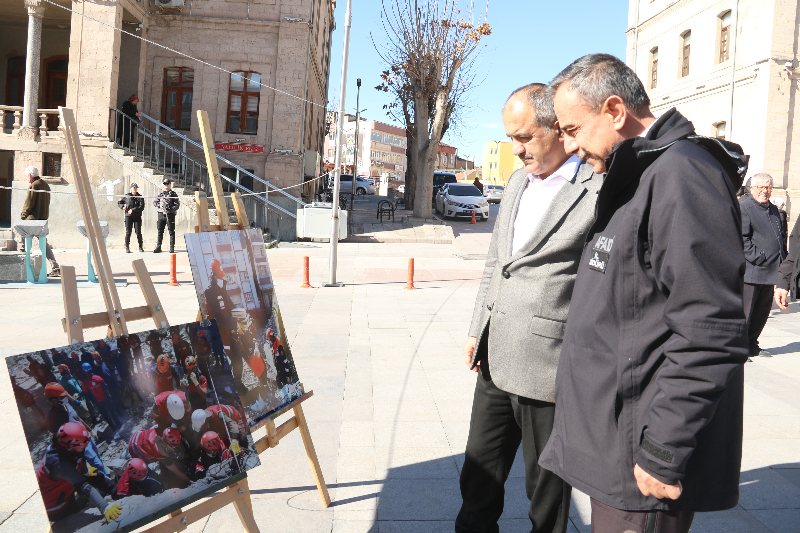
7	242
145	172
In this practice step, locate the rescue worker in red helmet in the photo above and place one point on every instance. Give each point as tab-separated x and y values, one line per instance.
227	421
136	480
195	382
61	412
218	303
67	480
172	408
165	446
166	378
213	451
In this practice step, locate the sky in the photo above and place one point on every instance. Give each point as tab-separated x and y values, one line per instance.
531	41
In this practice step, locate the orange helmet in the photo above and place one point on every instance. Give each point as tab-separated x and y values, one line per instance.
54	390
96	355
163	364
216	268
190	363
63	368
74	355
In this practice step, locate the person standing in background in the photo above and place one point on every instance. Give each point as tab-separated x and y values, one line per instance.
133	206
167	204
37	207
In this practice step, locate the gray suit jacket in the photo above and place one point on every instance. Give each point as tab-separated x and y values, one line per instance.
523	300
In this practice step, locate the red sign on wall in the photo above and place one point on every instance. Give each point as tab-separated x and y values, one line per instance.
233	147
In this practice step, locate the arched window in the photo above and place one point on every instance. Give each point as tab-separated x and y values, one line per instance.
176	107
654	68
724	36
243	98
686	45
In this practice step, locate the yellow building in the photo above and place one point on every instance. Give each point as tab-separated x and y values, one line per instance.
498	162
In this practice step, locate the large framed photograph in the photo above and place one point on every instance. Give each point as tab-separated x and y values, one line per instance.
125	430
234	286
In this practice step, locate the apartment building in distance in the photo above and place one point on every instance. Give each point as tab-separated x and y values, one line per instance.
498	162
685	51
381	148
91	60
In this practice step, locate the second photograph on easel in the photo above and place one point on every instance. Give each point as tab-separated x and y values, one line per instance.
234	286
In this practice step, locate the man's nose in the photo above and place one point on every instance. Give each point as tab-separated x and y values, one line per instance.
517	148
570	145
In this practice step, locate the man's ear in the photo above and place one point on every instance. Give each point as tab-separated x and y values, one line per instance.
616	111
557	129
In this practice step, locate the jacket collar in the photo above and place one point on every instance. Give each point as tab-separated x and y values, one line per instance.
638	153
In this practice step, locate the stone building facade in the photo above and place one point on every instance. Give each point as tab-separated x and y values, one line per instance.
684	52
278	50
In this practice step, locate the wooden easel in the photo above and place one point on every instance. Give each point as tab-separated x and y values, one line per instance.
115	317
298	421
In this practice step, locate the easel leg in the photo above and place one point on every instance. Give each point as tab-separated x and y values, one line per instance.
244	508
43	268
312	455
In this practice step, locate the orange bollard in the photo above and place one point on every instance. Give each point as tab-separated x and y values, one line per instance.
173	272
473	218
306	284
410	282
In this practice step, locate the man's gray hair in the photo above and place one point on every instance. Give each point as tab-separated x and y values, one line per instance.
31	171
763	176
540	98
596	77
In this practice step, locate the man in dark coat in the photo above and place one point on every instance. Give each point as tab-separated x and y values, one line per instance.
133	206
649	388
126	125
167	204
764	249
789	271
37	207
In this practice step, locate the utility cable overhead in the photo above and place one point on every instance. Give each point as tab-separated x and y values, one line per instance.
178	52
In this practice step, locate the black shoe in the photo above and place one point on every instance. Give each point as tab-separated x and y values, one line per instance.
749	359
141	249
764	353
157	250
172	250
128	249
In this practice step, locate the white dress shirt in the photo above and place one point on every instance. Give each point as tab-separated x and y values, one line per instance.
536	198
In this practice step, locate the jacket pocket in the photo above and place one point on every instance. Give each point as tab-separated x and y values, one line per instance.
545	327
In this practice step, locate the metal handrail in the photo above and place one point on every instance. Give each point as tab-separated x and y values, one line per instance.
190	171
241	170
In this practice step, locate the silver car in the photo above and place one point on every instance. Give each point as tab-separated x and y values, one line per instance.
363	186
493	193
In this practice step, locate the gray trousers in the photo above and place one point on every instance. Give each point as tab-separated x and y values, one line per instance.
35	246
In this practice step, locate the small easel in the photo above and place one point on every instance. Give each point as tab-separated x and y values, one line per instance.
115	317
298	421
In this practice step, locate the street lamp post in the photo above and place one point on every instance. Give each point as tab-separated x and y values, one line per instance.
355	153
337	172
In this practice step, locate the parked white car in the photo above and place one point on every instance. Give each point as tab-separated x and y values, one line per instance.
363	186
493	193
461	200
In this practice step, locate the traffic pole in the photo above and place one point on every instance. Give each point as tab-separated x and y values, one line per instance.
173	271
410	282
473	218
306	284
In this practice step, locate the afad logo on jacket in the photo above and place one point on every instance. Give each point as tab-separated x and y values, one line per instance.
600	253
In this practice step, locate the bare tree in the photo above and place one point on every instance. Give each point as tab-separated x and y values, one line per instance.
430	53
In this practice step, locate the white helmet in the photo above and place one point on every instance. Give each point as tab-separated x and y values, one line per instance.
175	406
198	419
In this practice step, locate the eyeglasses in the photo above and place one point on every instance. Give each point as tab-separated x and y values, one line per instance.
761	187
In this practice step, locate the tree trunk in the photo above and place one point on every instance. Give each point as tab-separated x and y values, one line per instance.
423	164
411	180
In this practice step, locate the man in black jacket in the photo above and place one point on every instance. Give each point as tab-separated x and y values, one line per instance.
167	204
649	388
789	271
764	249
133	206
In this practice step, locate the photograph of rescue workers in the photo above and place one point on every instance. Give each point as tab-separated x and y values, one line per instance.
234	287
124	430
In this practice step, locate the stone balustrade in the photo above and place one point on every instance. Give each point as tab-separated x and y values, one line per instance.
16	111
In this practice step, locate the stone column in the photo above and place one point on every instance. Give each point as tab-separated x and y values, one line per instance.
32	64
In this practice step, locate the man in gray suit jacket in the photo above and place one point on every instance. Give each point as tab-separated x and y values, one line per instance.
520	314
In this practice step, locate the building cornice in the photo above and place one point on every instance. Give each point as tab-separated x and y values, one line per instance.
217	20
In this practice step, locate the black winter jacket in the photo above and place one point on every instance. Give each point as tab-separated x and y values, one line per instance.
167	202
131	201
764	248
651	368
789	271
